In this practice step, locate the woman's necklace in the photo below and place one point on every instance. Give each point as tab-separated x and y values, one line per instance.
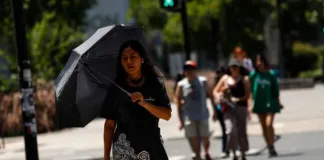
137	82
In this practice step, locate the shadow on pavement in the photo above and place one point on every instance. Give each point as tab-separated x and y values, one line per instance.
280	155
293	154
217	158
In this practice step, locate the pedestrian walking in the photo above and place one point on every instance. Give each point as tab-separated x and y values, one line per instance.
220	72
234	91
193	114
265	95
131	126
241	55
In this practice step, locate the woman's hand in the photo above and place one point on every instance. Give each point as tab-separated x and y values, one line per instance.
234	99
138	98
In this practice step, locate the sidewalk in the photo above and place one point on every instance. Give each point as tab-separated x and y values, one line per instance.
87	143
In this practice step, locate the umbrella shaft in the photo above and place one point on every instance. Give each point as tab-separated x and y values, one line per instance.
112	82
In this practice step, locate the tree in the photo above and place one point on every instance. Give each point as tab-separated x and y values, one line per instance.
53	27
147	13
49	48
241	23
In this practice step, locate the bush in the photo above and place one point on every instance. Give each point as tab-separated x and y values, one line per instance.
305	58
10	110
311	74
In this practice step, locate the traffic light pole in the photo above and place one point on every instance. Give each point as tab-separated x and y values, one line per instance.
27	100
185	28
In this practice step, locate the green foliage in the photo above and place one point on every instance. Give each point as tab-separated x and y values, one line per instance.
53	27
303	18
311	74
307	59
147	13
300	48
49	48
200	13
244	25
242	22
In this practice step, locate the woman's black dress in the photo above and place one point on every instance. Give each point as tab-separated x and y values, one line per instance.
137	134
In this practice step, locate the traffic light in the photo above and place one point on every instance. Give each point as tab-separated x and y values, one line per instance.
171	5
168	3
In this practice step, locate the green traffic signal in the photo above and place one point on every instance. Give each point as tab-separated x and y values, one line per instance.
322	29
168	3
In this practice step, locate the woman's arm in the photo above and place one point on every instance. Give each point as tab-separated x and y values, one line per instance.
161	107
162	112
109	129
219	86
158	111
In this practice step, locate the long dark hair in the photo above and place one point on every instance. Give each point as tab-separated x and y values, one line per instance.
148	68
262	59
219	73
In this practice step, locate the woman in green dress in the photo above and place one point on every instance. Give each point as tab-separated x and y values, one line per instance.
265	95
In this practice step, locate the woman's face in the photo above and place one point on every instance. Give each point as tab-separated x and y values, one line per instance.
234	69
131	61
259	63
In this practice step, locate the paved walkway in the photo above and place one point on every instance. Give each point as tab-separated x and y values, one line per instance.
303	113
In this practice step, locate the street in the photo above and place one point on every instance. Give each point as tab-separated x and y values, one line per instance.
297	146
299	126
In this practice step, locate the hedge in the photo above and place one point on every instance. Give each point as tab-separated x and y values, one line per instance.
10	110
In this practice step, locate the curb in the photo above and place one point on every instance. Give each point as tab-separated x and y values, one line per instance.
296	83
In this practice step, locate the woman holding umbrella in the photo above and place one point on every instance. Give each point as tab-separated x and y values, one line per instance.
131	126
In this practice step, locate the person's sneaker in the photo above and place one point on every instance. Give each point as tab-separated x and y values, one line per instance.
272	152
207	157
235	158
243	158
225	154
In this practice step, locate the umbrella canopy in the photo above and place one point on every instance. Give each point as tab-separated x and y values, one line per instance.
82	86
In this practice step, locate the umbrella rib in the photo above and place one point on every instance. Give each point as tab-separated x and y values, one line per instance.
106	56
93	76
112	82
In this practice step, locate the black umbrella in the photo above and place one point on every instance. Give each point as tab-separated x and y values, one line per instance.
82	86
